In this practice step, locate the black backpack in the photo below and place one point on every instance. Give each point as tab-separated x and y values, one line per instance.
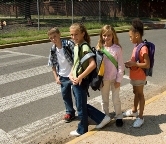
95	78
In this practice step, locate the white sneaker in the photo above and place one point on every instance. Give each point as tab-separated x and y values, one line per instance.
138	122
129	113
74	133
105	121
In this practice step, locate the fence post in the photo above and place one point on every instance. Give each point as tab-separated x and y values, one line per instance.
99	12
72	10
38	14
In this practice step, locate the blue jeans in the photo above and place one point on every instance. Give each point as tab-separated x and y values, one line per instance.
95	114
84	110
66	94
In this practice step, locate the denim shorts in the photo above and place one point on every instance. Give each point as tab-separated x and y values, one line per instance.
138	82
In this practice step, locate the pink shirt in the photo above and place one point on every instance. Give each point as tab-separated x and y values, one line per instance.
110	71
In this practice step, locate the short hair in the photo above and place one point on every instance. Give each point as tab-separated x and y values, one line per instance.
53	30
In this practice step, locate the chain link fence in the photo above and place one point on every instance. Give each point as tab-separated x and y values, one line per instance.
44	14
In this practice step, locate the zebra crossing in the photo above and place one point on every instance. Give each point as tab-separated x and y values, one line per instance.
27	132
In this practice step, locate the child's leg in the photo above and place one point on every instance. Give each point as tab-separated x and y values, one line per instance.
105	92
140	96
136	99
67	96
116	101
81	103
95	114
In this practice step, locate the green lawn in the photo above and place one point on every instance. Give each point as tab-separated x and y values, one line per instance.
18	31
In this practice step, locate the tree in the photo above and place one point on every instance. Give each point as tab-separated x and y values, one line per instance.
27	9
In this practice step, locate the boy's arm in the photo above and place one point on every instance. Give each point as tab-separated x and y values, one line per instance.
71	75
56	76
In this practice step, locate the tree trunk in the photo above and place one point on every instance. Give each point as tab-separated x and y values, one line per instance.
27	9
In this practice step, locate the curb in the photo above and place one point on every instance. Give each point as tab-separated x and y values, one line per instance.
47	40
93	131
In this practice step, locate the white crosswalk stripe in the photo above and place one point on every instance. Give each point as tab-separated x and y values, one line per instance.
6	78
19	53
28	96
8	55
9	63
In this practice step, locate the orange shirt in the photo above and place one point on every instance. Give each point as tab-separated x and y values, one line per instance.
137	73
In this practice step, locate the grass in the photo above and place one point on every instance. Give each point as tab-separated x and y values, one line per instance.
20	32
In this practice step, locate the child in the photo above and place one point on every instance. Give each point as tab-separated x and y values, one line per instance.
79	35
61	62
112	75
137	75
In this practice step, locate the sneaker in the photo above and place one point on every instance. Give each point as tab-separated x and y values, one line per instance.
68	118
129	113
74	133
138	122
119	122
105	121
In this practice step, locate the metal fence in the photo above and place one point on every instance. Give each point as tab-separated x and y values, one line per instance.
64	13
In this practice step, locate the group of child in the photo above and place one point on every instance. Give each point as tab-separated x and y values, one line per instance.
64	70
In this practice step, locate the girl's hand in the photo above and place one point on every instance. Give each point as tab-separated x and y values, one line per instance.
71	78
130	64
57	80
117	84
78	80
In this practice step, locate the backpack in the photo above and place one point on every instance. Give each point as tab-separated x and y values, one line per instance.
151	52
95	78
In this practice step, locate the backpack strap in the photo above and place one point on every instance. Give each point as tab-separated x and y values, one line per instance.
53	49
66	46
83	59
138	51
110	57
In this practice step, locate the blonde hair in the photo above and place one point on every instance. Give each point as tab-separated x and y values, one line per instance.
104	29
80	27
53	30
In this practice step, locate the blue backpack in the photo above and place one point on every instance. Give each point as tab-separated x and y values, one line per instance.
151	52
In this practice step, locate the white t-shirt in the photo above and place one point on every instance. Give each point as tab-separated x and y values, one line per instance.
64	66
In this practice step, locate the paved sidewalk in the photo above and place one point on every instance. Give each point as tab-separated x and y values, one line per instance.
152	132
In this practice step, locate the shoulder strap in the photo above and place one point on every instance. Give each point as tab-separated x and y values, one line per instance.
53	49
138	50
80	48
66	46
84	58
110	57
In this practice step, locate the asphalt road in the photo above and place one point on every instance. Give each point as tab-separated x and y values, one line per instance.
30	100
